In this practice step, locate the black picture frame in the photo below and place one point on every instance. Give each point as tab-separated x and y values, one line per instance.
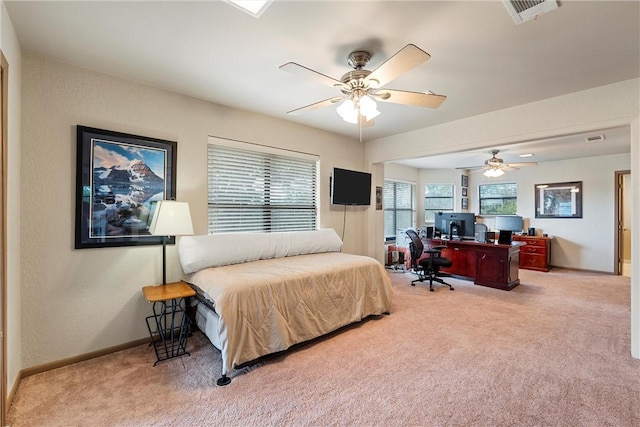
378	198
465	181
464	191
119	179
558	200
465	203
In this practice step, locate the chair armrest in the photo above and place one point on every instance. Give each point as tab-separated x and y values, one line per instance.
432	252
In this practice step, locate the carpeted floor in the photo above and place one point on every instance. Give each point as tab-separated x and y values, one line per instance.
554	351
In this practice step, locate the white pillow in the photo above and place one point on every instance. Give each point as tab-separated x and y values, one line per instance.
214	250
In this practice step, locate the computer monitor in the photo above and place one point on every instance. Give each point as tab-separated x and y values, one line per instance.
456	224
509	222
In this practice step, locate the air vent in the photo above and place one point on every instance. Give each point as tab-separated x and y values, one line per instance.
595	138
526	10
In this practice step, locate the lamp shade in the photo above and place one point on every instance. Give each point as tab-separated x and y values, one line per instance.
171	218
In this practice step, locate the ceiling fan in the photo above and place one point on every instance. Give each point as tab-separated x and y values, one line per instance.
362	88
495	166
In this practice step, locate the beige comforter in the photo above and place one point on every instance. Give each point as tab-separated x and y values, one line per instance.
269	305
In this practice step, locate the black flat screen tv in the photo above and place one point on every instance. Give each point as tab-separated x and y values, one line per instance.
350	187
463	222
509	222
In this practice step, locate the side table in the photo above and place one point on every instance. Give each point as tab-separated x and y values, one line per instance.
169	324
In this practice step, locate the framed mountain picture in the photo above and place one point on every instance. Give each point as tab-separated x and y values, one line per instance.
119	179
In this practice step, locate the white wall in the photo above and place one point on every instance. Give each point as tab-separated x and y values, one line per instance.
78	301
11	50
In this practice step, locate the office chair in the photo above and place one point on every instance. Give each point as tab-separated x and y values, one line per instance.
427	268
481	232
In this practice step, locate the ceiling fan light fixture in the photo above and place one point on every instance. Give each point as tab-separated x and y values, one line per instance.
493	172
350	110
347	110
368	107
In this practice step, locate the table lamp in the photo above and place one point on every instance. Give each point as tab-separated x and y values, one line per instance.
171	218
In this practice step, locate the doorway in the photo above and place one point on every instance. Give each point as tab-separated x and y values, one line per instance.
623	223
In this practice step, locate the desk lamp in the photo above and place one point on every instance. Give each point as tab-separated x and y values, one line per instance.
171	218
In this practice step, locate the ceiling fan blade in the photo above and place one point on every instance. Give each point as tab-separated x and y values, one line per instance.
480	169
410	98
405	59
473	168
308	73
521	165
316	105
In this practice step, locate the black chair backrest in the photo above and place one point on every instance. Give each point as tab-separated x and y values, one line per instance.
416	247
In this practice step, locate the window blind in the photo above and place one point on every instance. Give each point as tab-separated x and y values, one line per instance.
498	198
260	191
437	198
398	208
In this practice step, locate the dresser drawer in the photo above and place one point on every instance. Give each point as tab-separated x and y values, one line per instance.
531	249
533	261
533	241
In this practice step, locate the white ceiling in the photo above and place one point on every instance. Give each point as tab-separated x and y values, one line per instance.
480	59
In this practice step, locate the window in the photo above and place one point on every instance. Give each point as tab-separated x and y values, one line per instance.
260	191
399	209
499	198
437	198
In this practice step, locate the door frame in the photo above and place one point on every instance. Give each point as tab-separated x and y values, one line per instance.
619	200
4	102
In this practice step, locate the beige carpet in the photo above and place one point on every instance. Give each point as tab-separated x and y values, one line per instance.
555	351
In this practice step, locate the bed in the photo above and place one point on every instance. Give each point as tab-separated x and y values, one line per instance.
261	293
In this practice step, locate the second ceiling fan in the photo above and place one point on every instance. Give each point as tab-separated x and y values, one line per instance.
495	166
361	88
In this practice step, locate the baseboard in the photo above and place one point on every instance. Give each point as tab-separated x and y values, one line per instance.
584	270
24	373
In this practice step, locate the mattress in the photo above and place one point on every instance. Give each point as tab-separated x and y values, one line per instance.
265	306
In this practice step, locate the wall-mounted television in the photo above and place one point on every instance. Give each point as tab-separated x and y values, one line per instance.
350	187
512	223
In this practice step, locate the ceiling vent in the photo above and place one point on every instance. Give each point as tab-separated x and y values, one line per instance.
595	138
526	10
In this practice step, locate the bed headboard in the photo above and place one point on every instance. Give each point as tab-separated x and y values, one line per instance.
214	250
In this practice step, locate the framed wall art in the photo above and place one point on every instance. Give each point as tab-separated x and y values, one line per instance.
378	198
465	203
119	179
559	200
465	181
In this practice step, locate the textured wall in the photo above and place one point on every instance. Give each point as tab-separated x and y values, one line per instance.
78	301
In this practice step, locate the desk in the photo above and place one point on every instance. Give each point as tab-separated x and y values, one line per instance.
169	325
487	264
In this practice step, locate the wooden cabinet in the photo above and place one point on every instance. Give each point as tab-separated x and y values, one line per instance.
498	269
463	262
536	254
